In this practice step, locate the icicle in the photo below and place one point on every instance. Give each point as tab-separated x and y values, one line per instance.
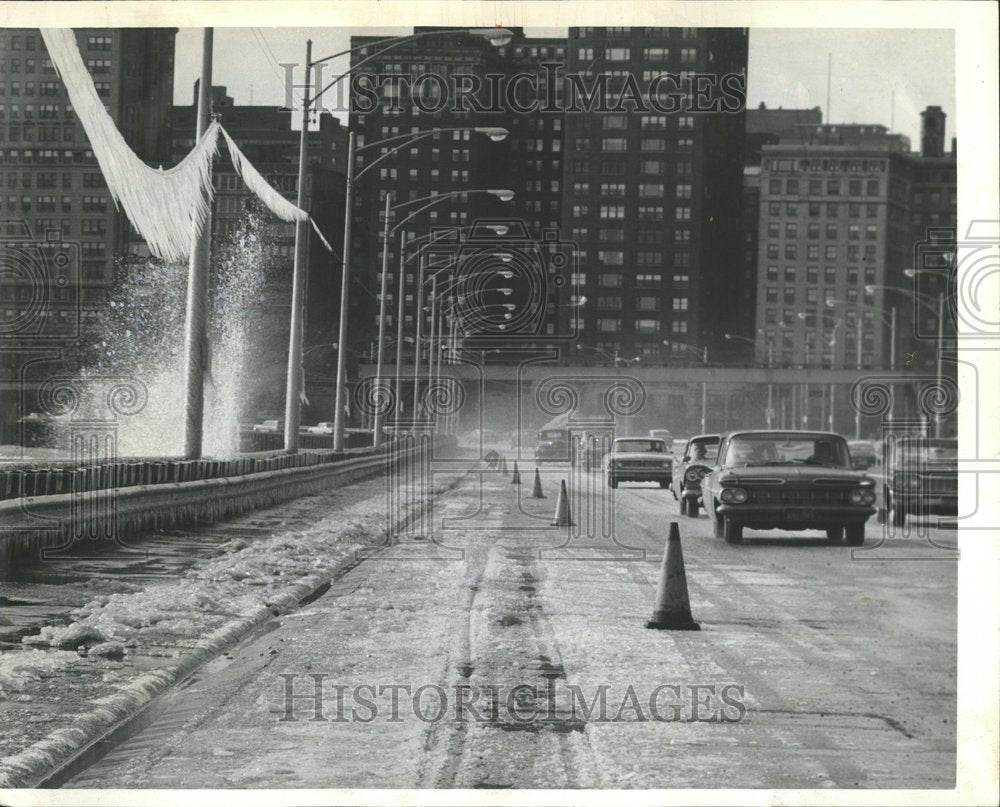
163	206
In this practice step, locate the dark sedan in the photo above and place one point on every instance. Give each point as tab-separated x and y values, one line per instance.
787	480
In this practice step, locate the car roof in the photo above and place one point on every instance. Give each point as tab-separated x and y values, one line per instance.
783	432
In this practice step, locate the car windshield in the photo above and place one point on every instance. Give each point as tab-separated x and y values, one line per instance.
751	450
631	446
704	450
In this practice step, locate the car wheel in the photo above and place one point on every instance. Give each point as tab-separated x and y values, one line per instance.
896	514
693	508
664	484
612	483
683	507
731	531
834	534
855	534
717	528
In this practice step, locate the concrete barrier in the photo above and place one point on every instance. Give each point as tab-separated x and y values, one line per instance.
53	522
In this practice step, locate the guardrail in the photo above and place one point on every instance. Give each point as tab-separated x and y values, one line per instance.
55	521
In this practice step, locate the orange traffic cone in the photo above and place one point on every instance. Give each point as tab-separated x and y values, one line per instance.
563	518
516	478
672	610
536	491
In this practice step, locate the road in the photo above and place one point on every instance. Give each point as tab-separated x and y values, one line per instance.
813	668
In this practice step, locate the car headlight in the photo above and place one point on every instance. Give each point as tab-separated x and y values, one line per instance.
733	495
861	496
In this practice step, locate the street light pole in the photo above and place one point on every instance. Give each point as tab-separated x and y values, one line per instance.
294	387
419	333
857	410
345	284
704	393
940	349
196	314
377	425
399	332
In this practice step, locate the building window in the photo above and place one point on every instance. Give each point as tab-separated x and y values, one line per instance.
610	280
647	326
612	211
605	325
613	257
613	144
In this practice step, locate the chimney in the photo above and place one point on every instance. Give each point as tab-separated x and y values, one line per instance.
932	132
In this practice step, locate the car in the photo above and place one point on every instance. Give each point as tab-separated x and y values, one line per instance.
661	434
269	426
863	454
787	480
693	465
325	427
920	477
554	445
638	459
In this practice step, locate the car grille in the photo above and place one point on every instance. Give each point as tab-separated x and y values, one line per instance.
643	464
942	484
797	496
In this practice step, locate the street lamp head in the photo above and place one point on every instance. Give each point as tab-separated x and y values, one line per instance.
581	301
801	315
869	289
506	274
909	272
499	229
506	257
728	335
506	292
502	194
509	306
494	133
497	37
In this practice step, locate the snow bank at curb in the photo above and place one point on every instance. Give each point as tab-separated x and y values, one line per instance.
251	582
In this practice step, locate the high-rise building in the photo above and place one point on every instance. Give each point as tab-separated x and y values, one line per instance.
840	227
653	193
55	210
420	89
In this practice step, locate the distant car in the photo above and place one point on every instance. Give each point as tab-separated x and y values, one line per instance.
269	426
638	459
694	464
863	454
661	434
554	445
787	480
921	477
326	427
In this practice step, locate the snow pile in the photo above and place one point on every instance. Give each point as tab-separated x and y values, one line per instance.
18	669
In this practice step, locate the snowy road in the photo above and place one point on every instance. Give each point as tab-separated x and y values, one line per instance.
499	637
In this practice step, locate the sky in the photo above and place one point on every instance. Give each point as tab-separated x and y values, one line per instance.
786	68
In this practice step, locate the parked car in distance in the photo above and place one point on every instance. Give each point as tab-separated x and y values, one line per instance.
787	480
921	477
693	465
269	426
638	459
554	445
325	427
661	434
863	454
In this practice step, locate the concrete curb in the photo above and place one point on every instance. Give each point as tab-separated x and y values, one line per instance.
44	760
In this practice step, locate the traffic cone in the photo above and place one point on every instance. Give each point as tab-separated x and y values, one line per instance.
536	491
672	610
516	478
563	518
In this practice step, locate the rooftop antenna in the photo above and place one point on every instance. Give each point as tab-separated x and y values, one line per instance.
829	70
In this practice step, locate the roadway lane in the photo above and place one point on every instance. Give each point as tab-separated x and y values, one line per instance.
812	668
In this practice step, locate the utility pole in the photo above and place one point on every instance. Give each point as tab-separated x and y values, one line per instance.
196	313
